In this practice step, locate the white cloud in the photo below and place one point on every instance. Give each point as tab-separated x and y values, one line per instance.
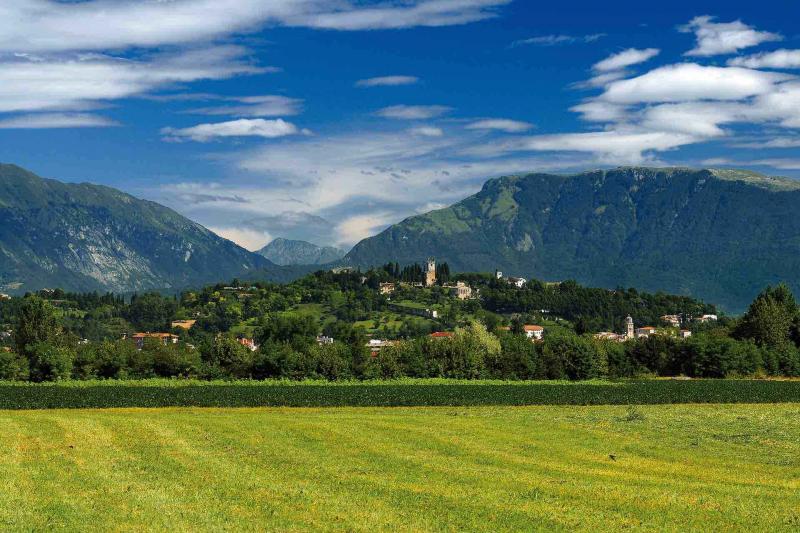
56	120
432	13
427	131
49	25
79	82
268	105
235	128
778	59
626	58
613	147
558	39
358	227
500	124
250	239
780	164
599	111
778	142
412	112
689	81
387	81
715	38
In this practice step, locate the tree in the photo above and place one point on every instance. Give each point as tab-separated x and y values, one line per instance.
36	323
771	317
228	358
49	362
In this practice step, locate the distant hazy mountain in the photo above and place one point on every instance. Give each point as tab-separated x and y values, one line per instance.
289	252
720	235
90	237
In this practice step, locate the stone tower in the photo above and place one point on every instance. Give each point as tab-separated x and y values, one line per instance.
629	331
430	272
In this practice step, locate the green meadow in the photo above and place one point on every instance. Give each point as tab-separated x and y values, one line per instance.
486	468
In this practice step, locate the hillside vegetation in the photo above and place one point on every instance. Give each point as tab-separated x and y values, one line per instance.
88	237
719	235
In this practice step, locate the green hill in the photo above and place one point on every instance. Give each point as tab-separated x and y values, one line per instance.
720	235
90	237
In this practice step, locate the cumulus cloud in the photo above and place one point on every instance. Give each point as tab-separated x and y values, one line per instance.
690	81
626	58
716	38
413	112
56	120
788	59
500	124
558	39
259	127
387	81
50	25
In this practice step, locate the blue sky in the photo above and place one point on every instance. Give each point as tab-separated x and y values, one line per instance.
328	120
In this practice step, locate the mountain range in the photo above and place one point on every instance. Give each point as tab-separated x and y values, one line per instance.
720	235
287	252
89	237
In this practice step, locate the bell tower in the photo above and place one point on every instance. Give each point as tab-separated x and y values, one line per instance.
629	331
430	272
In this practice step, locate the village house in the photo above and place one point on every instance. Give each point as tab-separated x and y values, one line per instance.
517	282
140	338
250	344
183	324
387	288
707	318
672	320
461	290
4	296
645	331
442	335
376	345
531	331
685	333
324	339
611	336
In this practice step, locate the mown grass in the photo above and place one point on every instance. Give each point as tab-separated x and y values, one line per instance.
188	393
680	468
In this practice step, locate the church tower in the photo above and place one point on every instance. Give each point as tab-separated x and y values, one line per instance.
629	332
430	272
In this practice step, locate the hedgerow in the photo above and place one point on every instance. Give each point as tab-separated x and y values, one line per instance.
190	393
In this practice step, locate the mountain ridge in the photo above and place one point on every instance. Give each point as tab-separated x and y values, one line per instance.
93	237
651	228
289	252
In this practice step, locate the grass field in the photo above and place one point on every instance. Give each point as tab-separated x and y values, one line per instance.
675	467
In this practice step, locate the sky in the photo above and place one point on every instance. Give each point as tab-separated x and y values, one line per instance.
328	120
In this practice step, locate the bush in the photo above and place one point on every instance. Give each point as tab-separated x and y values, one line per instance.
13	367
48	362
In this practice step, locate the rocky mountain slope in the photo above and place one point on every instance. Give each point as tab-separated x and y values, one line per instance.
292	252
90	237
720	235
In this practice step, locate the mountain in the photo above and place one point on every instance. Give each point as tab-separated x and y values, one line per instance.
89	237
289	252
720	235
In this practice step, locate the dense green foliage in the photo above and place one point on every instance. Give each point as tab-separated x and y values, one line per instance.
719	236
58	336
171	393
89	237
